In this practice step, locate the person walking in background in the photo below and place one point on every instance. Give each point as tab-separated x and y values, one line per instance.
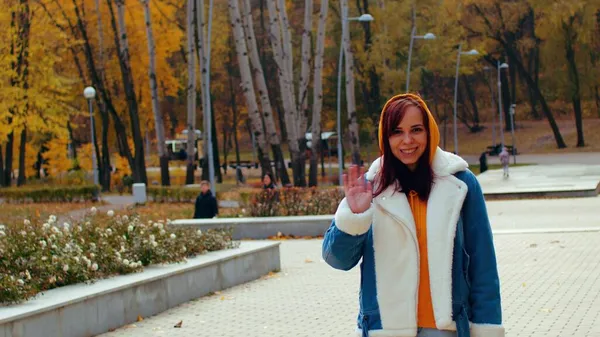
418	222
504	160
206	204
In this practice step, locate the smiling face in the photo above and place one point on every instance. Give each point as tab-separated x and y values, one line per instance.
408	141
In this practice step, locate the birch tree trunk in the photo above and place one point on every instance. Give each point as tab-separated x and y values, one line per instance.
318	96
159	125
191	91
202	64
305	67
282	55
350	97
248	86
122	43
267	111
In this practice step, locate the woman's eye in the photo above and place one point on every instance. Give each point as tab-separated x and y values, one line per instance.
417	130
397	132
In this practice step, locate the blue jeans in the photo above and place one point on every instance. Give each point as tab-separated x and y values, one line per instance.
425	332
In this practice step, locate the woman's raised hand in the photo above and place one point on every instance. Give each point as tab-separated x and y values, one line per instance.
359	191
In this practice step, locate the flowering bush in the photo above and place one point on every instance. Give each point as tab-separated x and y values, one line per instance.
294	201
37	257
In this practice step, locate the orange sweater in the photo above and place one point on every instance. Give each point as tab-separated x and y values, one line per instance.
425	317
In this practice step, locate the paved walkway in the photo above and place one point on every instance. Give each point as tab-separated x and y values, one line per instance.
570	178
586	158
550	287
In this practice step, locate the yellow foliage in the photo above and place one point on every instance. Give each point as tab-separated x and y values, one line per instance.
122	168
84	157
57	158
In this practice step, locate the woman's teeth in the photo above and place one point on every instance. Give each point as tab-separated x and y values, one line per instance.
408	151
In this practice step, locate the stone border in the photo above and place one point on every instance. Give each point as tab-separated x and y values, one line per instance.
573	193
87	310
264	227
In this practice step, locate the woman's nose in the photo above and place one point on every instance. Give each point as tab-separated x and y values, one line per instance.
408	138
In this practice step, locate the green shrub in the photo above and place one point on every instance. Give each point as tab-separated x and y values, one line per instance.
50	194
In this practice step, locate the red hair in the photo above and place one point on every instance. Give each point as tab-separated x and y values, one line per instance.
393	171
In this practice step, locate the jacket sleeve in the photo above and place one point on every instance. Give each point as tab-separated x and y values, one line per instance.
215	207
345	238
197	209
484	296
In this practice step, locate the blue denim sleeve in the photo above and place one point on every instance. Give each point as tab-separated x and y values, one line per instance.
345	238
484	296
342	250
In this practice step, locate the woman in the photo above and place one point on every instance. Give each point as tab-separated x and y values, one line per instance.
268	183
419	223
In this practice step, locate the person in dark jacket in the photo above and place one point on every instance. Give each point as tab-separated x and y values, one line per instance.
268	182
206	204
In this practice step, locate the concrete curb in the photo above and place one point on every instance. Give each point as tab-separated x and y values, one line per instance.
584	193
87	310
302	226
260	228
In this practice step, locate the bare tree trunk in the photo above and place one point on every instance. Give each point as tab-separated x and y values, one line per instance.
2	177
248	86
305	68
234	110
191	92
8	169
21	176
159	125
350	97
139	172
570	35
302	108
104	156
560	143
318	96
282	57
263	91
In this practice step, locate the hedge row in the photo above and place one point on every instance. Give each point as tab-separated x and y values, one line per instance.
50	194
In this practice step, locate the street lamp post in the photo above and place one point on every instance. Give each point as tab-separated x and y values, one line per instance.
90	93
471	52
500	126
362	18
428	36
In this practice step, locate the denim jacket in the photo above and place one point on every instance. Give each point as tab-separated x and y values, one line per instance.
464	281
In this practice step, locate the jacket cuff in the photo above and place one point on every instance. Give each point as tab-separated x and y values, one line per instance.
487	330
353	223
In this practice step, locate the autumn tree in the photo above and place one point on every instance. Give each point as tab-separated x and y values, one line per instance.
499	23
158	120
247	85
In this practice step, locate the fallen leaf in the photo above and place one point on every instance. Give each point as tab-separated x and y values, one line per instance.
178	325
222	298
130	326
308	261
555	241
546	310
523	284
140	318
533	245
